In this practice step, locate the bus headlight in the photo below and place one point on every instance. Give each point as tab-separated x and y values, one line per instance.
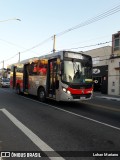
64	89
68	92
90	91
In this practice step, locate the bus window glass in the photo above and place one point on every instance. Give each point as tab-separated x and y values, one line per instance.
76	71
19	69
32	69
42	69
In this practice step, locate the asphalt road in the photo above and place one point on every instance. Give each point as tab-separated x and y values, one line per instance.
28	125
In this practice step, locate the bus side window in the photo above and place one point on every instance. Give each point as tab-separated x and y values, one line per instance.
42	69
32	69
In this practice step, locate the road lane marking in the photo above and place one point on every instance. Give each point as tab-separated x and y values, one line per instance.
75	114
33	137
109	98
84	117
85	102
90	119
100	106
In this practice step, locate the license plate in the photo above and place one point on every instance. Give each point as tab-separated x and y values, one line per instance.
82	98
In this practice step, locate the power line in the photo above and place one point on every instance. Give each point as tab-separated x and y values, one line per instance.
22	47
87	22
16	45
92	20
11	57
65	49
92	45
11	43
100	56
39	44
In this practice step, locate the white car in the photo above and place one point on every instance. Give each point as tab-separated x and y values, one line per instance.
4	82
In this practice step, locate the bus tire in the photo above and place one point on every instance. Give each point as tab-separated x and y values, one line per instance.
41	94
18	89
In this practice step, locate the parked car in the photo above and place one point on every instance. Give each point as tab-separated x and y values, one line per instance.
4	82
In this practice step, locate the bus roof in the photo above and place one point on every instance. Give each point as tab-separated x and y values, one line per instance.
48	56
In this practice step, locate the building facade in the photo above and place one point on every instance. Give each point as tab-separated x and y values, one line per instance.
4	73
100	57
114	66
106	67
114	76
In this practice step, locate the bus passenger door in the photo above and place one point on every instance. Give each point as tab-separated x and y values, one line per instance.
52	78
25	78
14	77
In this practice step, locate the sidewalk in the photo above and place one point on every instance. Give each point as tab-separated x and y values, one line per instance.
106	96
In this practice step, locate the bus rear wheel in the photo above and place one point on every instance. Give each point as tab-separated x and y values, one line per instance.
41	95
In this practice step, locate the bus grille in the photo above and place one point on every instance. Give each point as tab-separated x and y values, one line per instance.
78	96
80	86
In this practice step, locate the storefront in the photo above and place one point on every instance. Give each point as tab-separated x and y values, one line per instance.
100	77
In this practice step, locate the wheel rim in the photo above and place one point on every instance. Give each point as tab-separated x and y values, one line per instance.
42	94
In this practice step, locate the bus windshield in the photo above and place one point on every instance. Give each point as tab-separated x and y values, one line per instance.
77	71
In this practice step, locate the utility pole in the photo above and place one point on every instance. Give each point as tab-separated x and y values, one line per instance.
3	64
19	57
54	41
3	70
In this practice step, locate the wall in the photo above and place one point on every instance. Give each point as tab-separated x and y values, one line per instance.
100	56
114	76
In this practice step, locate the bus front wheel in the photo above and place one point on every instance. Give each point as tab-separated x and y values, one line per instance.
41	95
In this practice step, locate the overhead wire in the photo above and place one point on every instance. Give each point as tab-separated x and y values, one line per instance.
101	43
87	22
11	43
11	57
92	45
39	44
92	20
22	47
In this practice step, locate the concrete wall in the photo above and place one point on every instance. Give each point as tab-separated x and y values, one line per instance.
114	76
100	56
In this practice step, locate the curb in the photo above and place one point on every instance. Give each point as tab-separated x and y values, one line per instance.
109	98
